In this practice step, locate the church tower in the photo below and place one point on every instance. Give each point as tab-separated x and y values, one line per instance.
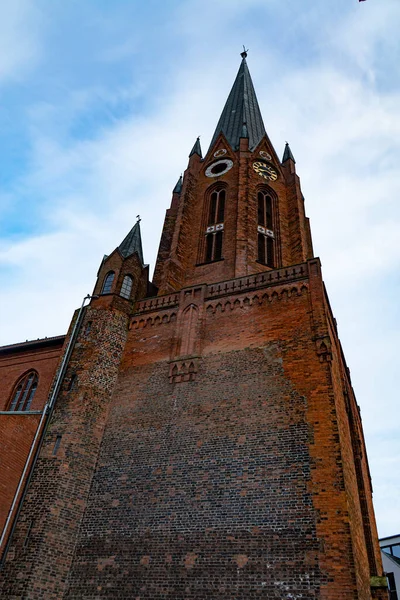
206	442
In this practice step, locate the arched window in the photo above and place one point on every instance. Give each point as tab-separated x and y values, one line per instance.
108	281
126	287
265	229
24	392
215	226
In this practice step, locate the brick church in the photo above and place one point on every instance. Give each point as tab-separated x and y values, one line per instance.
195	437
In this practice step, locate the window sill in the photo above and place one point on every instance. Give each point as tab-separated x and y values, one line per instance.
21	412
265	265
209	262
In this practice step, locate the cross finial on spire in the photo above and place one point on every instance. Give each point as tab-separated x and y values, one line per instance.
138	219
244	53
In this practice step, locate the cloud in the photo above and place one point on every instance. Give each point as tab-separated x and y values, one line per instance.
21	23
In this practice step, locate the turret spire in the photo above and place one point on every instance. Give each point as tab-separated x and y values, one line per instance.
241	107
196	148
178	188
132	243
287	154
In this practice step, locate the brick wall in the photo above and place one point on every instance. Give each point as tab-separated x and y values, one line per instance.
17	431
228	480
42	547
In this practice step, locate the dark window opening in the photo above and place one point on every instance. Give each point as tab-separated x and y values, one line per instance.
213	208
126	287
88	327
214	246
261	212
268	212
265	216
217	207
108	281
28	533
218	246
261	248
270	252
72	382
219	168
24	393
57	444
265	250
209	247
215	226
265	235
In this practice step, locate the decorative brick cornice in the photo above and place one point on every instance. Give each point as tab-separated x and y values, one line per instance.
157	303
259	280
276	277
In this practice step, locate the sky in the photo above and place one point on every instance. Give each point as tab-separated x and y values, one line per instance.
100	105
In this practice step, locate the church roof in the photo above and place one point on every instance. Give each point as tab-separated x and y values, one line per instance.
132	243
241	108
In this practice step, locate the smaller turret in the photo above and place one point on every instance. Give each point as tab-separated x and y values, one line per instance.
123	276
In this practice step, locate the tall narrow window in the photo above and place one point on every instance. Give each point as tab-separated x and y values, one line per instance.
108	281
215	226
126	287
265	229
24	392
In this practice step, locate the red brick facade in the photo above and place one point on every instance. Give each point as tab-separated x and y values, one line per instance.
17	429
210	444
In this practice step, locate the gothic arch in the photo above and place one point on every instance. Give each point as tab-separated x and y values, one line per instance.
24	391
212	223
267	226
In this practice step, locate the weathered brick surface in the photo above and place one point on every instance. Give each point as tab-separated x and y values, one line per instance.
231	483
40	556
210	445
17	431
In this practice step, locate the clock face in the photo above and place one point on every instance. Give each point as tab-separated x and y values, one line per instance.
219	167
266	171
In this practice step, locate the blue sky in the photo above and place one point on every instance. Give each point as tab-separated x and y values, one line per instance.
100	104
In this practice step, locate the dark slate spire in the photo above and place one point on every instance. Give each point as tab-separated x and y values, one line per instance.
178	188
241	107
196	149
132	243
287	154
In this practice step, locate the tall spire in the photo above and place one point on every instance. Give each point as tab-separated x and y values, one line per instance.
132	243
241	107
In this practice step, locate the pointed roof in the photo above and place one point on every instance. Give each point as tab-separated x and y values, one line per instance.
288	154
196	149
241	107
132	243
178	188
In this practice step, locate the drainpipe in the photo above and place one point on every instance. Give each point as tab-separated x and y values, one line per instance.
45	418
